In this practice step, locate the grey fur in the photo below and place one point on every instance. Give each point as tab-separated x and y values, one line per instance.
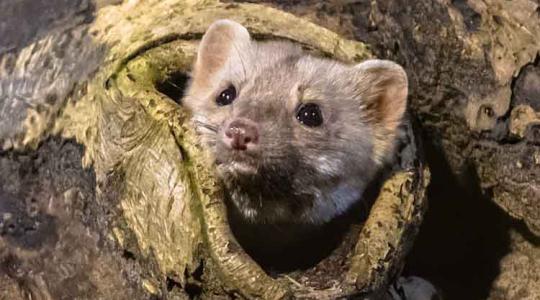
296	173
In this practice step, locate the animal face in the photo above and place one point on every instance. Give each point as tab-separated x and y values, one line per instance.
294	136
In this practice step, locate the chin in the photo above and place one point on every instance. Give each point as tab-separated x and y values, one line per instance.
236	169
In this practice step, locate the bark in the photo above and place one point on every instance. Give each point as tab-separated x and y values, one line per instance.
106	192
475	67
474	75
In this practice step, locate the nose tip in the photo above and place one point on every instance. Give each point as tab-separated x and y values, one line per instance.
240	133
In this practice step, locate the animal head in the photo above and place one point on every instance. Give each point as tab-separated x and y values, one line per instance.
285	124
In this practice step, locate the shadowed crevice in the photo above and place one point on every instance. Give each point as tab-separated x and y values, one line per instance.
173	85
463	237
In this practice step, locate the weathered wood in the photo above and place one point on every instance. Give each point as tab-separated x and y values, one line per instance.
153	186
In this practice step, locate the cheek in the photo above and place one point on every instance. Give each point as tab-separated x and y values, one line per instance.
310	137
327	165
314	146
343	151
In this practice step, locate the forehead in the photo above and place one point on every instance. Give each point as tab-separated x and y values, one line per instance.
269	62
273	65
280	76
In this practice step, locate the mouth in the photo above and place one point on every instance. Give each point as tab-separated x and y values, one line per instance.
236	163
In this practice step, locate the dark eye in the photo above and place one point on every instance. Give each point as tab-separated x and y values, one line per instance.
310	115
227	96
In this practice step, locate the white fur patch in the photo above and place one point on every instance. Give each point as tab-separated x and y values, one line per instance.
327	166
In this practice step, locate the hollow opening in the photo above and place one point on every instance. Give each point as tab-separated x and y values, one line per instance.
173	85
318	254
315	257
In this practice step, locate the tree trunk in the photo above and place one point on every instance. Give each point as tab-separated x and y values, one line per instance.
105	191
144	217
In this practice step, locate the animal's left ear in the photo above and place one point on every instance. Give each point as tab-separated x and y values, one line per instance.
383	89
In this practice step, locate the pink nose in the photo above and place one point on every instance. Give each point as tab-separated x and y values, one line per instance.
240	133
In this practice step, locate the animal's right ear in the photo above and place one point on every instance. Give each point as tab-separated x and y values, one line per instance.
220	45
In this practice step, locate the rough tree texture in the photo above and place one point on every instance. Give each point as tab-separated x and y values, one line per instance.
105	192
475	78
474	73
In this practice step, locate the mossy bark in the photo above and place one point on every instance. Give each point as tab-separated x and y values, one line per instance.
152	181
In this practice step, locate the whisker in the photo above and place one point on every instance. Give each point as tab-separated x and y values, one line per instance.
211	127
174	84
